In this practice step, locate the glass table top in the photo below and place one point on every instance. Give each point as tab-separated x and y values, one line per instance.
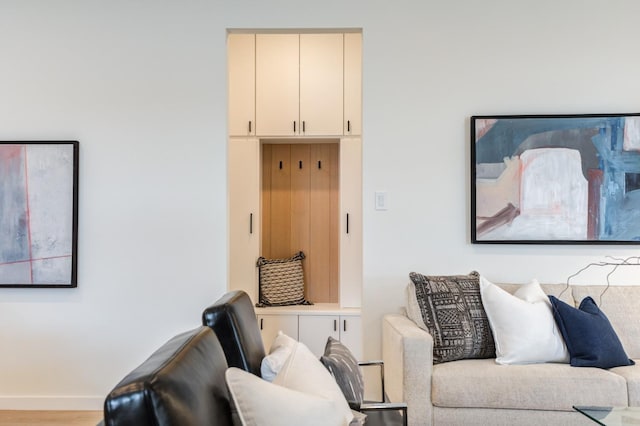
612	416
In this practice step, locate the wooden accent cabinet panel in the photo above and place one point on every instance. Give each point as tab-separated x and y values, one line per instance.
300	204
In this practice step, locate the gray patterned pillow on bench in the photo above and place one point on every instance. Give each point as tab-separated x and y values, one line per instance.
281	281
452	310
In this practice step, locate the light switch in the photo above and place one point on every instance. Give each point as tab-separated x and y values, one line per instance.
381	200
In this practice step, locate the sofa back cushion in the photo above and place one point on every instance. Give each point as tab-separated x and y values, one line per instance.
234	321
620	304
181	384
560	291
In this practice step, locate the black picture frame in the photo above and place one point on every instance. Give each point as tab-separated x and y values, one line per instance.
555	179
39	214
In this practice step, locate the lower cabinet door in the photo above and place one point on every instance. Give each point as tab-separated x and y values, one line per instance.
351	334
314	330
271	324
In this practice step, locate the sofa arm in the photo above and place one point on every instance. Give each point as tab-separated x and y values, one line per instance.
407	351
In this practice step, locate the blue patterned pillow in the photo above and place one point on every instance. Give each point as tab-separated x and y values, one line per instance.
590	338
344	367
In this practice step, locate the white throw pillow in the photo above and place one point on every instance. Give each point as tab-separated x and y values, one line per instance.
278	355
260	403
523	327
302	393
304	372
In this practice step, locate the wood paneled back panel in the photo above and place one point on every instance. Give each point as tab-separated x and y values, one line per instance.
300	204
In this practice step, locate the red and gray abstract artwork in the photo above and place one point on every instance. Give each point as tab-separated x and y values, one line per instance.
36	214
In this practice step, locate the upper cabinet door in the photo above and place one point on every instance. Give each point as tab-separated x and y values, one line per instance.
277	84
241	50
353	84
321	84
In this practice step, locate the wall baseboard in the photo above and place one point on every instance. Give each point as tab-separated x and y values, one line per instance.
80	403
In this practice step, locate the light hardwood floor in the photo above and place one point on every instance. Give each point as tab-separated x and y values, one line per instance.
50	418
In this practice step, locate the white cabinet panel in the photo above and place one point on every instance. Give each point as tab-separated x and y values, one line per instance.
271	324
244	214
351	334
353	84
299	84
242	85
321	84
312	325
277	84
314	330
351	222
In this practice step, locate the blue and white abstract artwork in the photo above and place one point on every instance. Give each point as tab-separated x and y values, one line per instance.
556	179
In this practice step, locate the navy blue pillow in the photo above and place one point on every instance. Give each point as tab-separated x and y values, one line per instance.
589	336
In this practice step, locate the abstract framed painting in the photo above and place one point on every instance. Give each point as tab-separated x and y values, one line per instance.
38	214
555	179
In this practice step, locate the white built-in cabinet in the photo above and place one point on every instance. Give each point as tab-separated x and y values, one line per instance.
270	324
278	84
312	326
241	84
301	74
321	84
245	212
243	162
295	87
350	238
295	84
352	122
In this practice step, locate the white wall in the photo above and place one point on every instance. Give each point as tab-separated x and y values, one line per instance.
141	84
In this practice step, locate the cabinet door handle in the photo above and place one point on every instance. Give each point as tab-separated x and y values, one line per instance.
347	223
304	127
335	325
261	323
251	223
344	325
348	126
249	126
294	126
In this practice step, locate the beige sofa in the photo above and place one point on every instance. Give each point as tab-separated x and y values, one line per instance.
481	392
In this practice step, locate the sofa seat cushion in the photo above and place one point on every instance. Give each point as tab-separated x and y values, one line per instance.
631	374
481	383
